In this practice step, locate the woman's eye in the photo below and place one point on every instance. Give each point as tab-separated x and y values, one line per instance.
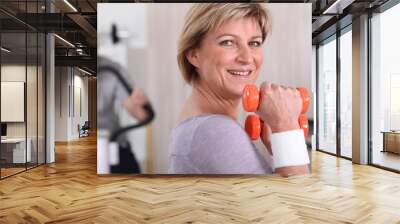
226	43
255	43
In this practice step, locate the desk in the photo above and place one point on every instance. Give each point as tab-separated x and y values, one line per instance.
391	141
17	148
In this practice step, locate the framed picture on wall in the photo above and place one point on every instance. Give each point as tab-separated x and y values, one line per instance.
12	101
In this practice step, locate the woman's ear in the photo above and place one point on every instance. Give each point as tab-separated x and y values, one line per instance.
193	58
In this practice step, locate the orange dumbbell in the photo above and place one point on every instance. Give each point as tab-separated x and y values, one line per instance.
251	99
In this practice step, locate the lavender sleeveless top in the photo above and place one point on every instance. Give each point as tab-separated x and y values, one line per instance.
214	144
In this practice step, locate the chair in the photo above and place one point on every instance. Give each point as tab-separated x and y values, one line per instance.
84	130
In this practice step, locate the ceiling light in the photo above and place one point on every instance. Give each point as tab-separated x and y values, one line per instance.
84	71
64	40
337	7
5	50
70	5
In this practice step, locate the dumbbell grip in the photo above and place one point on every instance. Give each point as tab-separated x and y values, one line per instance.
251	98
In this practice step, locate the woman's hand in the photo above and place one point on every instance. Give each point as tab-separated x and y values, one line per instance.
134	104
280	107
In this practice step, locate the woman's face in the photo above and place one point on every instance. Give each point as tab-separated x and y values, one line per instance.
230	57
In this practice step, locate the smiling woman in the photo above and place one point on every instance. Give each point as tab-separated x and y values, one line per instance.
230	56
220	52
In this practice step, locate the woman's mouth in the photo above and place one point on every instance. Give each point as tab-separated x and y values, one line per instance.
242	73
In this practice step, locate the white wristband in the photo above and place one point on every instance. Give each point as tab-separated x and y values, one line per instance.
289	148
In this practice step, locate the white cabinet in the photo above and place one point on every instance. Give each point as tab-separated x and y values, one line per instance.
18	149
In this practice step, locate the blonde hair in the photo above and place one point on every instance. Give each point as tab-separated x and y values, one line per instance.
205	17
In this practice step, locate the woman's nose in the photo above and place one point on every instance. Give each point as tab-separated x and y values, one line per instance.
244	55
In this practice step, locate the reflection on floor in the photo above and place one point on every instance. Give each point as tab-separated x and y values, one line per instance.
10	169
70	191
346	152
387	159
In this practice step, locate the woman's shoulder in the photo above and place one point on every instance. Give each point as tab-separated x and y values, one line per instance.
209	118
209	123
206	131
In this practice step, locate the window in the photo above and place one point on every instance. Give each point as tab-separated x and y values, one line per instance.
385	85
327	96
346	92
22	72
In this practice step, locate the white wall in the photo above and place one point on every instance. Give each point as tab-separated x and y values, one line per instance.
288	50
13	72
80	102
314	95
150	57
61	103
68	82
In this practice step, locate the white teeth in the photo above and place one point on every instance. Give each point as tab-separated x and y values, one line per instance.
240	73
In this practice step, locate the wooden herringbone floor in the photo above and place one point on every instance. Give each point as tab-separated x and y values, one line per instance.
69	191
